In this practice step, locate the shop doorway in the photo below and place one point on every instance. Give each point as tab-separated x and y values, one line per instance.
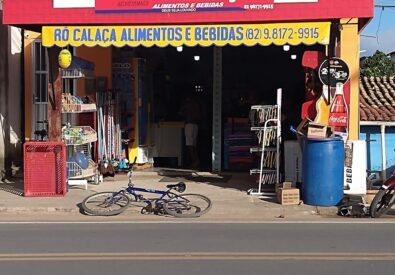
171	75
250	76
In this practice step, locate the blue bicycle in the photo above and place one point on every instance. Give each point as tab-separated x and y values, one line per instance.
168	202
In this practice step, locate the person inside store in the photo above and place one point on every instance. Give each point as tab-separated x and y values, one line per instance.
193	117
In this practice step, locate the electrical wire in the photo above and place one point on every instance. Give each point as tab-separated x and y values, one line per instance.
378	27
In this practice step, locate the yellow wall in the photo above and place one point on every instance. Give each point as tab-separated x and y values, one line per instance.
28	39
349	52
102	57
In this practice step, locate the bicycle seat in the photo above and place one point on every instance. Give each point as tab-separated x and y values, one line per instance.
179	187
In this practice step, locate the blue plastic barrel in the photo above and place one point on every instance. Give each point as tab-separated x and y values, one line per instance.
323	171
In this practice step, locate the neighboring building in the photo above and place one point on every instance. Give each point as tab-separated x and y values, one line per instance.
392	56
377	126
11	108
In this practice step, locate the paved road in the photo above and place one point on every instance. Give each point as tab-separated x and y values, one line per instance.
197	248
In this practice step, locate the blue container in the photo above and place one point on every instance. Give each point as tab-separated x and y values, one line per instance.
323	171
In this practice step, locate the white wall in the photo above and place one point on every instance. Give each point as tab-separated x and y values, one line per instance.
10	100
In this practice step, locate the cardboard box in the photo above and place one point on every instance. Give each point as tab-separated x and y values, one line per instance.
285	184
288	196
288	184
302	127
316	130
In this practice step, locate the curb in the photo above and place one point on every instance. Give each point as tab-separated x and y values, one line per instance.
26	210
44	210
327	211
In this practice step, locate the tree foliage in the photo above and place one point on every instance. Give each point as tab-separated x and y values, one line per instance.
379	64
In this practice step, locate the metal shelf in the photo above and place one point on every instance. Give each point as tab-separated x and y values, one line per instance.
77	73
259	149
78	108
270	117
264	171
78	135
262	128
260	107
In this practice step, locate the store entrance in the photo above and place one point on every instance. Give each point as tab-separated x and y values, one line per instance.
250	76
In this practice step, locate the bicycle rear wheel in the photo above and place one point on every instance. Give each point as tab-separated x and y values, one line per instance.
105	204
382	202
187	206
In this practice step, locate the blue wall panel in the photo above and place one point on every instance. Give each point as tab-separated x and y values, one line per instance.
373	134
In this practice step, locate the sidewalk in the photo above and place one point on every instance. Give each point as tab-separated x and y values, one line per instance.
228	194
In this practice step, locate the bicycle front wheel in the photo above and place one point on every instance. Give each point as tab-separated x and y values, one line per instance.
105	204
382	202
187	206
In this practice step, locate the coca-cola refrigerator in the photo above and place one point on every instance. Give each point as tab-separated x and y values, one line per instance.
355	167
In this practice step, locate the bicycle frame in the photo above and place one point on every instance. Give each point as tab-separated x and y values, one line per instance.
132	190
139	197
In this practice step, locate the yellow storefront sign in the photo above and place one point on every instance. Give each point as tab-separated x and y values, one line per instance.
189	35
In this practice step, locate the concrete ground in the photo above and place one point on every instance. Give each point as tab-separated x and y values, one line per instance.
228	194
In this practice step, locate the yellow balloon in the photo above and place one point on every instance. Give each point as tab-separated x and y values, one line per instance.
64	59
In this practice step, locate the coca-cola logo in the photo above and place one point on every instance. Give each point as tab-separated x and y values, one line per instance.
334	119
338	120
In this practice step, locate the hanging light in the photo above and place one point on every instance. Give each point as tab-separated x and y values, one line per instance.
179	49
286	48
294	56
196	57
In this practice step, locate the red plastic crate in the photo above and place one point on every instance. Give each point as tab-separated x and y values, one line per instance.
44	169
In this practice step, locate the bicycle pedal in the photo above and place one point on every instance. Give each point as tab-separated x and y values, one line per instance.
140	197
159	211
146	210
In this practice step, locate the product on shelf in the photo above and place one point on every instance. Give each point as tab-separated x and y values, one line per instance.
78	135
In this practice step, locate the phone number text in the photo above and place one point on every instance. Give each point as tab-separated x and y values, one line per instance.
281	33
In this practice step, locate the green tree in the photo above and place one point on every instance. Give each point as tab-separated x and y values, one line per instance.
378	64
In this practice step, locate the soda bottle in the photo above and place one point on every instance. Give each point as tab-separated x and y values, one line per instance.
338	113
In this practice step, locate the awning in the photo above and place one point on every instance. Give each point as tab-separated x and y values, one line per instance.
190	35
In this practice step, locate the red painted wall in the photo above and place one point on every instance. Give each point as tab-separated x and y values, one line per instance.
113	12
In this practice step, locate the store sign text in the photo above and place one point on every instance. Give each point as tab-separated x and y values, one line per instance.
206	35
154	6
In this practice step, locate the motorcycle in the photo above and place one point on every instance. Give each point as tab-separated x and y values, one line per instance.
384	198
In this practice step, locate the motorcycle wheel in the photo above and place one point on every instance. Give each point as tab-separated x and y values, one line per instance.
382	202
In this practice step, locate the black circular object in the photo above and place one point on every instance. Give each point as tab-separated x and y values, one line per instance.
332	71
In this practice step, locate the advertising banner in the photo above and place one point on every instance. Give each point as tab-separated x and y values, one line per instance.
334	73
189	35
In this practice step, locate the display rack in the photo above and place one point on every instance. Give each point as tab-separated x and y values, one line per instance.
78	138
78	176
77	73
267	125
74	104
78	135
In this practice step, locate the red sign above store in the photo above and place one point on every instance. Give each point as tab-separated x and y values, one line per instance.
61	12
73	3
190	6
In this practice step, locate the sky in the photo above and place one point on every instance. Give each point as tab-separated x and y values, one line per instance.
382	30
